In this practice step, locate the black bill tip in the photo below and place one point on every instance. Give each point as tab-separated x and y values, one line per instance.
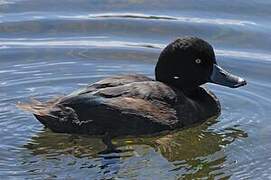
240	82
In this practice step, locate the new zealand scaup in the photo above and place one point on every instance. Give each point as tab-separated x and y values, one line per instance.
138	105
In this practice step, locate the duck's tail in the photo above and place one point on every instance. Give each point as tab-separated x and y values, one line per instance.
49	113
37	107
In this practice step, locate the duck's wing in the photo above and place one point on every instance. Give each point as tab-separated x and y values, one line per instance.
133	108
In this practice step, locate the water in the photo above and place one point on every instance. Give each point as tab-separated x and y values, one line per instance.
50	48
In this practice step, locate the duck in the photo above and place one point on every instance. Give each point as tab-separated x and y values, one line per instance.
135	105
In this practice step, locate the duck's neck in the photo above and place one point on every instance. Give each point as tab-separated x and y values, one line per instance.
191	92
205	101
188	91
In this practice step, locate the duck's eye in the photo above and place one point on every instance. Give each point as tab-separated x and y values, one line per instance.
176	77
198	61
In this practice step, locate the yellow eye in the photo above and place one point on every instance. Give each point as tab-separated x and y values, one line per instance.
198	61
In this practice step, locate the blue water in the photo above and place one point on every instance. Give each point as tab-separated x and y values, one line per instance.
50	48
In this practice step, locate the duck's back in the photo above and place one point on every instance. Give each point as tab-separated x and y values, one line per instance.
120	105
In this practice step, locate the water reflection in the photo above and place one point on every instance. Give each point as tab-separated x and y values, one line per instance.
197	150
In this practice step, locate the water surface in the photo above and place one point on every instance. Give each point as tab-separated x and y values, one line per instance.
50	48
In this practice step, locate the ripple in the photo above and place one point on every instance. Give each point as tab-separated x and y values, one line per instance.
249	111
42	80
75	43
42	74
255	167
6	2
163	17
244	54
86	42
19	17
250	114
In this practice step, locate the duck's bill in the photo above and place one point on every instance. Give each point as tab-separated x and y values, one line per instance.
224	78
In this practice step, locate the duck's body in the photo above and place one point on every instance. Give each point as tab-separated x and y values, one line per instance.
126	105
136	104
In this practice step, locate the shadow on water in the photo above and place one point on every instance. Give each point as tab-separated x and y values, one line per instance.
194	152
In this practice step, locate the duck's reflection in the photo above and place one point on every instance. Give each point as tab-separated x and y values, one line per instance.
198	149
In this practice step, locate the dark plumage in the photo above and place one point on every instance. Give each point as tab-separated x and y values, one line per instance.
136	104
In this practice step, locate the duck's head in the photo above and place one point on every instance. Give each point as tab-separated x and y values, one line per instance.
190	62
